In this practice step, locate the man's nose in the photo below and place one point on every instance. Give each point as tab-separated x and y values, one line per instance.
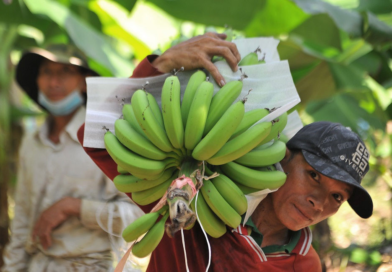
317	200
55	79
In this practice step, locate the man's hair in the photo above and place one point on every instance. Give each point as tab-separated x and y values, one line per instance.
293	153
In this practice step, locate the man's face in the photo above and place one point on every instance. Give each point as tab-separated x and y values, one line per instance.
307	197
56	80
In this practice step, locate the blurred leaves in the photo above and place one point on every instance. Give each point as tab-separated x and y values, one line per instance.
217	13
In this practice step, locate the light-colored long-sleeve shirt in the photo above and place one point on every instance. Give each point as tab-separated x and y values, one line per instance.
49	172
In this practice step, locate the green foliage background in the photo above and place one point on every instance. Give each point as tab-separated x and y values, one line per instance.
339	53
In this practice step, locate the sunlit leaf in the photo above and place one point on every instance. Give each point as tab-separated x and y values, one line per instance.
217	13
115	23
347	76
85	37
319	30
354	51
359	255
375	6
348	21
376	31
19	112
345	108
274	18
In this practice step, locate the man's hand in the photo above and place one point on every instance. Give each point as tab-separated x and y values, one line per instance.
197	52
53	217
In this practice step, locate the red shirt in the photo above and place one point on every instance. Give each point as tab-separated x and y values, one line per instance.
234	251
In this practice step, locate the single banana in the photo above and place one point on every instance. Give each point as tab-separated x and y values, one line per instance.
242	144
137	143
195	80
250	59
277	128
147	121
197	115
129	116
219	205
122	171
245	189
207	218
221	101
230	192
131	184
171	111
148	196
250	118
141	225
220	133
133	163
151	240
155	108
263	156
254	178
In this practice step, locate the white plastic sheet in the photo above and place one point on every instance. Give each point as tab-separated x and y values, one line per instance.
271	84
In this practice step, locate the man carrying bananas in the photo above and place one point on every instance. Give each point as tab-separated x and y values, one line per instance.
65	206
324	164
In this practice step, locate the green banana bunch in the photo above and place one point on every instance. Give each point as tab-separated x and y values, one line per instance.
141	225
263	156
133	163
230	192
277	128
137	143
250	59
155	108
207	218
221	101
250	118
151	240
130	117
147	121
254	178
197	115
193	84
171	111
150	195
242	144
219	205
220	133
131	184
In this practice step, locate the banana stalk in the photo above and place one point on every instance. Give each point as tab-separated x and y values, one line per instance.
179	199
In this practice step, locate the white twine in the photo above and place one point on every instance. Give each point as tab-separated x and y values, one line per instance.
183	245
118	245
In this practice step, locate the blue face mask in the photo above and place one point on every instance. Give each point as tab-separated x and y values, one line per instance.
64	106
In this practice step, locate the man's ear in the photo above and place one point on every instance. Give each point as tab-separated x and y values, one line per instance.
287	156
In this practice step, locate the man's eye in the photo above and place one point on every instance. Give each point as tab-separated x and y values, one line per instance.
338	198
314	175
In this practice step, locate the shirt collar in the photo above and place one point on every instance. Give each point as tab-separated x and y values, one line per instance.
287	248
71	129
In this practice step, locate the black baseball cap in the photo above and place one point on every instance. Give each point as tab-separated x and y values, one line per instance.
338	153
